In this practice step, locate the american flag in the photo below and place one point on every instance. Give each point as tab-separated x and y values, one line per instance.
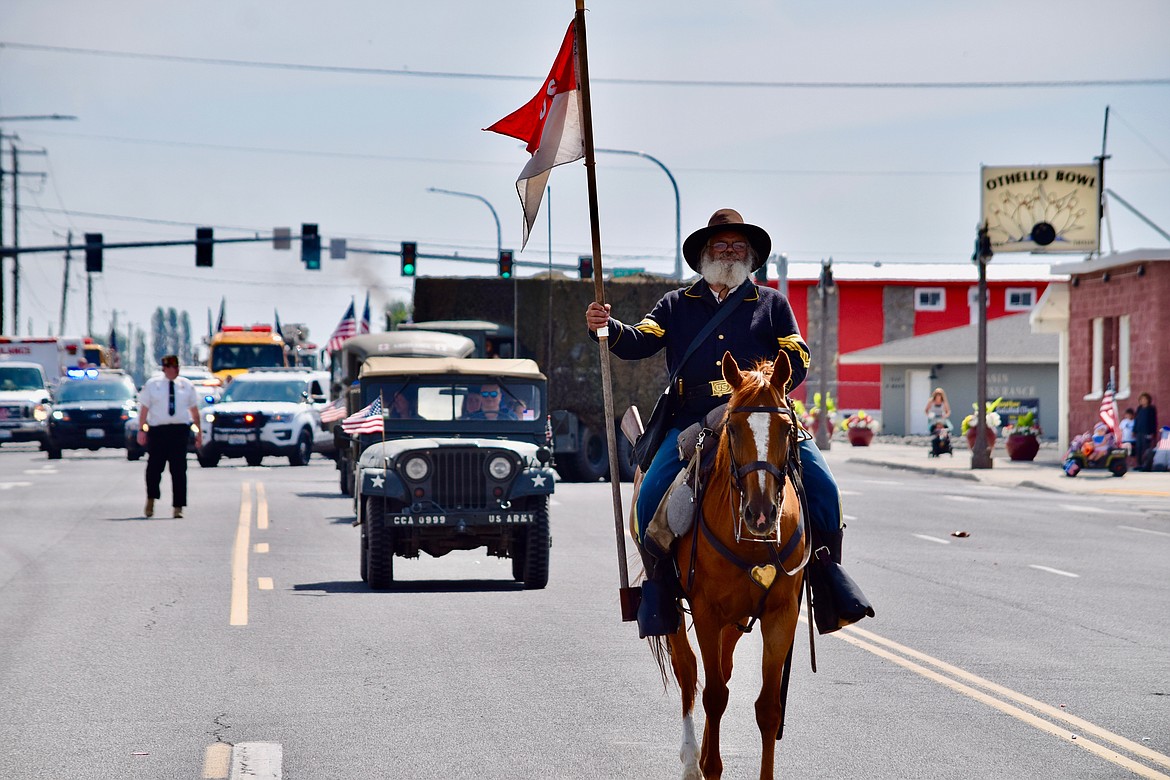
333	412
1108	413
368	420
364	327
344	330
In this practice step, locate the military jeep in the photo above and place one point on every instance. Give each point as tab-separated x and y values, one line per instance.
459	461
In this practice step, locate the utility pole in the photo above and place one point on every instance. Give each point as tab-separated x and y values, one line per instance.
825	287
16	231
981	452
65	285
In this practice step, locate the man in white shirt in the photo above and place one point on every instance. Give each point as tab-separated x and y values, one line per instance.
167	406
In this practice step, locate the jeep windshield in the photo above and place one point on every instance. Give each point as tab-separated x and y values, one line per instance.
20	378
292	392
481	399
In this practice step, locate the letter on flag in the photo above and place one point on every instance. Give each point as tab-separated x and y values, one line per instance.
550	125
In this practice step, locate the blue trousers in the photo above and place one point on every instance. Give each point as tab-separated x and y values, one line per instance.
824	500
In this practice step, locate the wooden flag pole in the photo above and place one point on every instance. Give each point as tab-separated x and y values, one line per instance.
629	597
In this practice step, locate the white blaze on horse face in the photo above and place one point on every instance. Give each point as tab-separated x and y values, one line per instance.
759	423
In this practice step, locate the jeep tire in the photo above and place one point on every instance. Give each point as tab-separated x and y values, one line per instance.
530	558
380	541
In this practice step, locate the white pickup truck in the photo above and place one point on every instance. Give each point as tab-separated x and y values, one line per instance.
24	403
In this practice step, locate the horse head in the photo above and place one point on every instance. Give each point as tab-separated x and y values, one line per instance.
760	433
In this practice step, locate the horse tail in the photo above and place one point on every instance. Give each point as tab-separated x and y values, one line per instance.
660	650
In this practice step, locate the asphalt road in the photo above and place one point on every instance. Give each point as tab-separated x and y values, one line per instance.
1038	645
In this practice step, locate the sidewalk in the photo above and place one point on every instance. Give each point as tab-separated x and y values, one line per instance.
912	453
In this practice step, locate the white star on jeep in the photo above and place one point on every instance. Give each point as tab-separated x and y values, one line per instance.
538	480
376	480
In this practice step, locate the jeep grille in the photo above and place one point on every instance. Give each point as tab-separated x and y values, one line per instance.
459	478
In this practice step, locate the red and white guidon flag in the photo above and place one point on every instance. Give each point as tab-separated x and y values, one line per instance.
550	124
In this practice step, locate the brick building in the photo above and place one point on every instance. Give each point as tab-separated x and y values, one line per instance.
1115	314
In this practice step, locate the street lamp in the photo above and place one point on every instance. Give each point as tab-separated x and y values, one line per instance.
481	199
678	272
981	452
15	218
499	251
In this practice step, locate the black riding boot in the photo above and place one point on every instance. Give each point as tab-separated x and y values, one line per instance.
837	599
658	610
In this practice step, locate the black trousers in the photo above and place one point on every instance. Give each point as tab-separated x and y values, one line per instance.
166	445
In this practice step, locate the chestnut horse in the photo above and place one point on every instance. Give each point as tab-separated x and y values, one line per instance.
741	562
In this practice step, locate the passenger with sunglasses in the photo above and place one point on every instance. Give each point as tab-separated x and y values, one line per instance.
490	406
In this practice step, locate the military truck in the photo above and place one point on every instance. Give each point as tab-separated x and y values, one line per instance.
453	456
550	325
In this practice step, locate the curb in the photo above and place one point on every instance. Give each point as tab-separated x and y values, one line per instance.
920	469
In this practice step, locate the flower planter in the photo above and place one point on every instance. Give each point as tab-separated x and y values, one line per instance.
1022	446
860	437
990	438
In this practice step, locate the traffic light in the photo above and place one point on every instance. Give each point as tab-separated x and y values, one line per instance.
93	253
585	266
409	253
204	244
310	247
505	263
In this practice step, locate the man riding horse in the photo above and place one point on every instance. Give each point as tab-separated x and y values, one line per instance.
759	325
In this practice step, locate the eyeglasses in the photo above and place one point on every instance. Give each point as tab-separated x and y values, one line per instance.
738	246
489	393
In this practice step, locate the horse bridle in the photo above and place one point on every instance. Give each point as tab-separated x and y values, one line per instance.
738	473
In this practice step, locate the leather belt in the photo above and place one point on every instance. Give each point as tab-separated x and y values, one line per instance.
716	388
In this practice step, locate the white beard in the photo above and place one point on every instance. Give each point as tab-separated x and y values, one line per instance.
716	272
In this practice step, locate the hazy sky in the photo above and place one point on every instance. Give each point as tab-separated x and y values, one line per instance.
857	173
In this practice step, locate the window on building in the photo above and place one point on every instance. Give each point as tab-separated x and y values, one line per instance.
1110	356
1019	298
930	299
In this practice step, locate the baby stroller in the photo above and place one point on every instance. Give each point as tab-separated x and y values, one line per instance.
940	439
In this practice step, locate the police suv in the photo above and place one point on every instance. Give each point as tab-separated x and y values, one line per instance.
274	411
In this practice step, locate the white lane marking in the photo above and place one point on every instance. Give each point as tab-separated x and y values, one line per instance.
10	485
264	583
849	517
881	481
963	498
850	492
217	761
42	470
932	538
554	502
256	761
1143	530
1051	570
1088	509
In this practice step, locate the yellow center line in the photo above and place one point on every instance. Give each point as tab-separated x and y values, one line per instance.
867	640
261	508
239	610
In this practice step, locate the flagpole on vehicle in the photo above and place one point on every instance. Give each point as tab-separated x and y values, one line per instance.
627	596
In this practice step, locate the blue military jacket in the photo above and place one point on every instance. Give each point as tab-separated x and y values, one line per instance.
762	325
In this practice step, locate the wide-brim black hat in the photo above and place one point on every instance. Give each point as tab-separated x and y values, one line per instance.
727	219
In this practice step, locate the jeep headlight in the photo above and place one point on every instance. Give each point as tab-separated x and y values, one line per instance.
60	415
500	468
416	468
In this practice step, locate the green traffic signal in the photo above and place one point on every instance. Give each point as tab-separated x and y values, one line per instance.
409	252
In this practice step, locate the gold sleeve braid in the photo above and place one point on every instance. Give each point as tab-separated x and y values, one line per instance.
794	344
650	327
